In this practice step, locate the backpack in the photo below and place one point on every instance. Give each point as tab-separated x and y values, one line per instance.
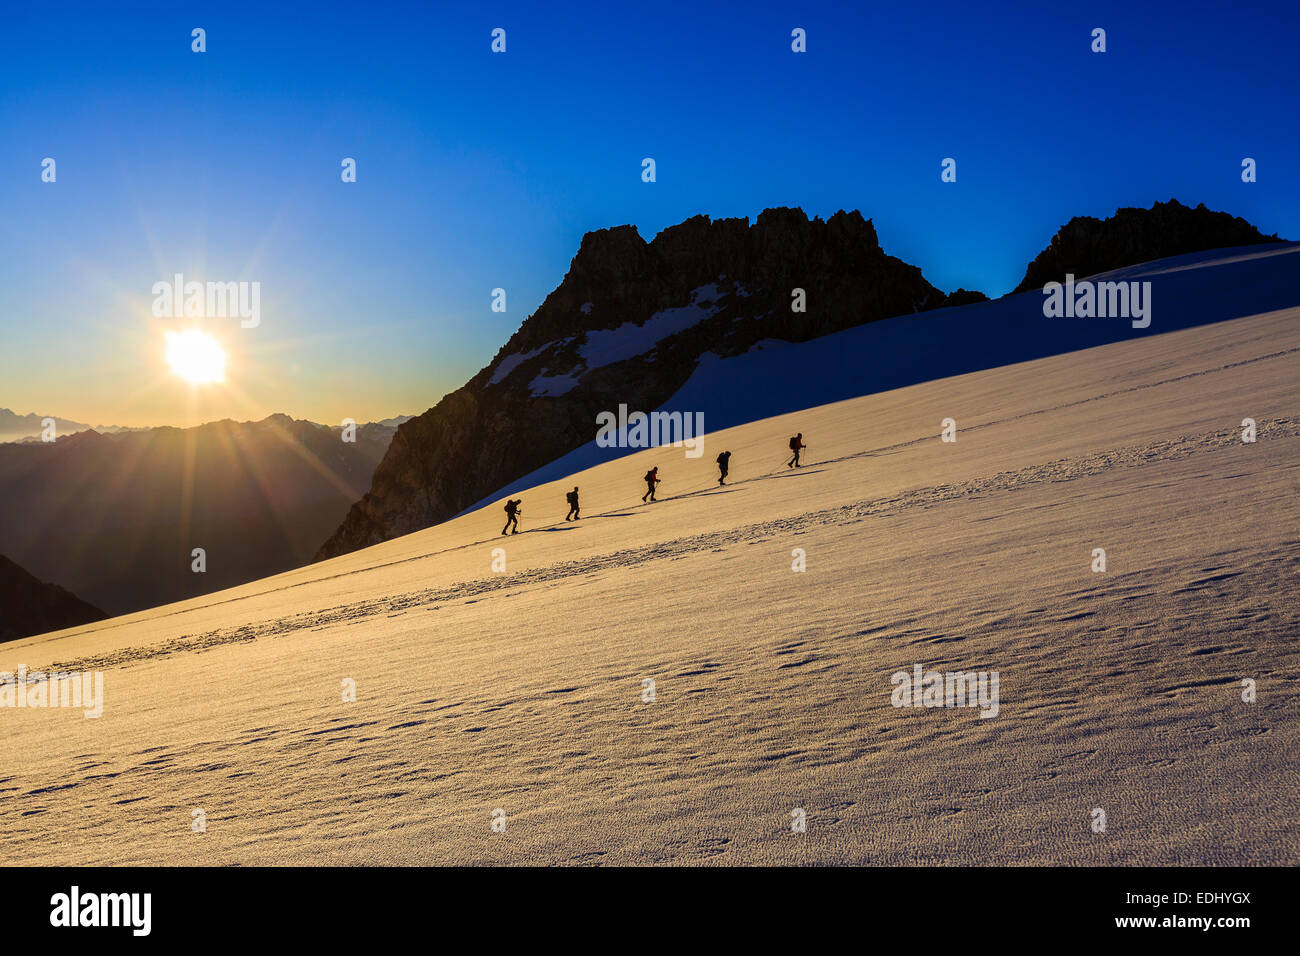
571	497
649	476
510	507
794	443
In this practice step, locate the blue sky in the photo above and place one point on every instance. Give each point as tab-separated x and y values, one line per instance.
479	170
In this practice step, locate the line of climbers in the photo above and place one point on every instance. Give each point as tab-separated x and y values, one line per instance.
651	480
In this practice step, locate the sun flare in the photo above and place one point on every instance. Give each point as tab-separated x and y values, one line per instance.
196	357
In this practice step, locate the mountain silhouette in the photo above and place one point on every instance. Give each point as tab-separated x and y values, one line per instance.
1086	246
31	606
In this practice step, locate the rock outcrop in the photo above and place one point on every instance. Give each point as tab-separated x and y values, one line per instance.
1085	245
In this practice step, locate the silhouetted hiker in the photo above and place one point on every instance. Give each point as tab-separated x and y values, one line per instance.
512	515
723	461
796	444
572	499
651	479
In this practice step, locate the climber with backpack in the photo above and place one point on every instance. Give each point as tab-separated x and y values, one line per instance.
796	445
572	499
512	515
724	461
651	479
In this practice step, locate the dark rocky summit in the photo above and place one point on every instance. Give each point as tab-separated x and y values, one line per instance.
1086	245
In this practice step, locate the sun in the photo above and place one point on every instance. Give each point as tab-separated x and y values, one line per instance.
196	357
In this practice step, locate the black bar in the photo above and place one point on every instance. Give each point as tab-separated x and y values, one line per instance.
948	905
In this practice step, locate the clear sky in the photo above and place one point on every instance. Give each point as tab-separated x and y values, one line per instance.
478	170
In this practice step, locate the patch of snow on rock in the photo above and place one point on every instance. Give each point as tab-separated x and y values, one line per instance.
513	361
607	346
549	386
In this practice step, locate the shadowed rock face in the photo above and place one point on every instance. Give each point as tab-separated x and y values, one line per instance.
30	606
1086	246
702	286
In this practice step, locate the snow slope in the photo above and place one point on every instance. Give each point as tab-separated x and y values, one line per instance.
521	690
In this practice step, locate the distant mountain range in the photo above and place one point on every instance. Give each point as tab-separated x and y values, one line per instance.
15	427
115	518
632	320
30	606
